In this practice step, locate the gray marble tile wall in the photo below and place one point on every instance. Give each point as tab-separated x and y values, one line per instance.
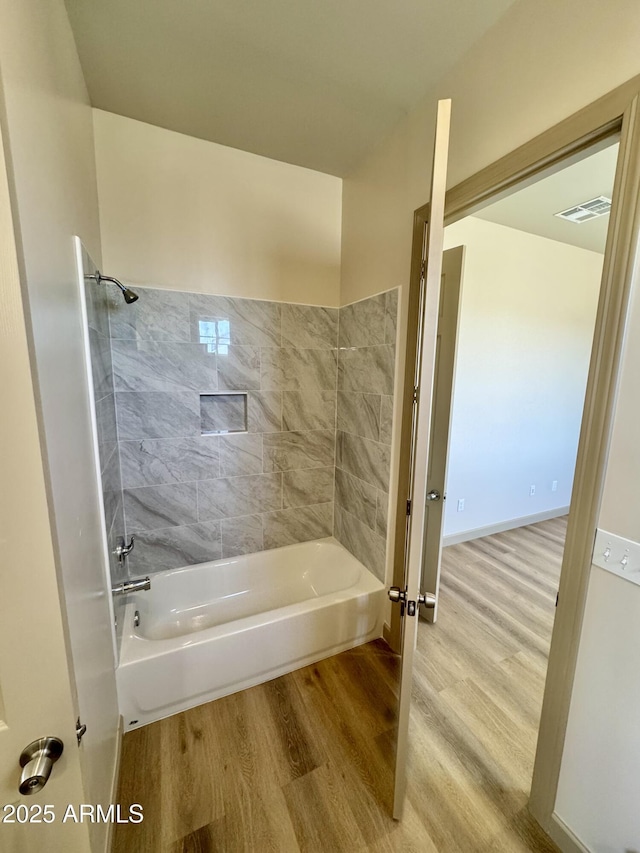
366	366
190	497
97	302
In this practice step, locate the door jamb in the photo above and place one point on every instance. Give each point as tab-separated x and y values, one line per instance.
615	112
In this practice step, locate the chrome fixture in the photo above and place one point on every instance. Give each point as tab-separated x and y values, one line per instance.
399	596
433	495
129	295
136	618
396	594
37	761
136	585
122	551
427	599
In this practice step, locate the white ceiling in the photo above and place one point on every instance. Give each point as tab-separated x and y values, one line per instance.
532	209
317	83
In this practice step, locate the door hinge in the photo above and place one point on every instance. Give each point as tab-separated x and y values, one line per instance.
80	730
415	394
423	269
408	507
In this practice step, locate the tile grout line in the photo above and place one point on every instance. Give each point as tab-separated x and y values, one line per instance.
223	518
234	477
363	523
335	432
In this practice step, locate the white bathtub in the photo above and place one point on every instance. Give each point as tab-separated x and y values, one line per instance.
209	630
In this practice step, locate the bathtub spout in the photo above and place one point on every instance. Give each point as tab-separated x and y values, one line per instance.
137	585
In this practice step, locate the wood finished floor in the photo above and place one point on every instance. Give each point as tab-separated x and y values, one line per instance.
304	763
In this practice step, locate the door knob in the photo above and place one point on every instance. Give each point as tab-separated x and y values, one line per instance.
427	599
433	495
396	594
37	761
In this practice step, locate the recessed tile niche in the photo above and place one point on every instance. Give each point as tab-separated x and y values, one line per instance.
223	413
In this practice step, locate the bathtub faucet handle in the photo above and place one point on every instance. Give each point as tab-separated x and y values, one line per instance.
122	551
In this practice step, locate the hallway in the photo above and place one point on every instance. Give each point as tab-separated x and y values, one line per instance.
304	763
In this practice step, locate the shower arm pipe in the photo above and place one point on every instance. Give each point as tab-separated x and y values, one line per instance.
100	278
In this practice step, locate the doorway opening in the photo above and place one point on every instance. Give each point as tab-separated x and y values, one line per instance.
523	332
528	306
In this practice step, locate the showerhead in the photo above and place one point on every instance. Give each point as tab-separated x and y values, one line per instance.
129	295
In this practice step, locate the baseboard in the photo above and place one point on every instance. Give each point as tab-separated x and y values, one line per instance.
501	526
560	833
115	781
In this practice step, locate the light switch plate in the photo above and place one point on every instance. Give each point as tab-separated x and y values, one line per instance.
618	555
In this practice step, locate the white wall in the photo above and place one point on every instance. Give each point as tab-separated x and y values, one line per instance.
526	74
524	341
186	214
50	142
505	91
598	790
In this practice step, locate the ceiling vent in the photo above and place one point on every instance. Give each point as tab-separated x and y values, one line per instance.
586	210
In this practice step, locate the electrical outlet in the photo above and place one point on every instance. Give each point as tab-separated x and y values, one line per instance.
532	491
460	504
554	486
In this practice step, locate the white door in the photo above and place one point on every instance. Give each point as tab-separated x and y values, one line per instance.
409	597
36	698
448	313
